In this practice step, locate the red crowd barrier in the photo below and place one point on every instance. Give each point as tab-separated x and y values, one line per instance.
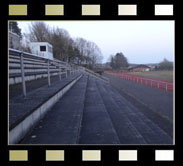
166	85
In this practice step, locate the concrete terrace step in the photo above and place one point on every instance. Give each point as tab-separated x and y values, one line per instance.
92	112
150	131
96	127
20	106
24	113
16	89
62	123
125	129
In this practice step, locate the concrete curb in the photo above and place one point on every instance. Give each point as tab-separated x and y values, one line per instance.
21	129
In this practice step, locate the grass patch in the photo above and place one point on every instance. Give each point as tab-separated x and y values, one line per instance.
161	75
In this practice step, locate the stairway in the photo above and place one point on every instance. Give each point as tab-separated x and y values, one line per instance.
92	112
61	124
97	127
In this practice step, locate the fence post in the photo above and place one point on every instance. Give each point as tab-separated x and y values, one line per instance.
48	63
158	84
151	83
60	76
23	74
166	86
66	72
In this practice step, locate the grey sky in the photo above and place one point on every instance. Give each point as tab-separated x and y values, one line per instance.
140	41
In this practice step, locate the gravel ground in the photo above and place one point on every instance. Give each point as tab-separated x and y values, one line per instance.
155	103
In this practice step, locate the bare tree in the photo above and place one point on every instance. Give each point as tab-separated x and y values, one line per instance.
60	40
89	51
65	48
39	32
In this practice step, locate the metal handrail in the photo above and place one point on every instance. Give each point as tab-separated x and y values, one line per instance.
32	56
31	59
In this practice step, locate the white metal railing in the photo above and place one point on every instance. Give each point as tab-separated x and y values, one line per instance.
23	61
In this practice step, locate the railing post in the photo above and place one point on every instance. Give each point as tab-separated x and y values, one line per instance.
23	74
60	76
66	73
166	86
48	65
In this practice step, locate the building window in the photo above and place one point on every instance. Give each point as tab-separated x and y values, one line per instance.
42	48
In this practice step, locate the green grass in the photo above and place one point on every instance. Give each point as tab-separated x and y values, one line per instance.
161	75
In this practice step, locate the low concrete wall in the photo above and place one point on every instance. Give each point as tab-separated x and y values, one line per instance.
20	130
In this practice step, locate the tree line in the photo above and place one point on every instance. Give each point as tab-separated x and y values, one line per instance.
119	61
78	50
65	48
165	65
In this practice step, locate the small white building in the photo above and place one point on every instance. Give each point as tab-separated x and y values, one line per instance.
42	49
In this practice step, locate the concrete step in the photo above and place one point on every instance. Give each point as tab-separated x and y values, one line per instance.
127	132
97	127
16	90
62	123
150	131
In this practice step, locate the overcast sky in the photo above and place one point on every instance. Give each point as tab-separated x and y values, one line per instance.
140	41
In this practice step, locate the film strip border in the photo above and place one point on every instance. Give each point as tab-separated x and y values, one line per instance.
90	155
89	9
60	10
